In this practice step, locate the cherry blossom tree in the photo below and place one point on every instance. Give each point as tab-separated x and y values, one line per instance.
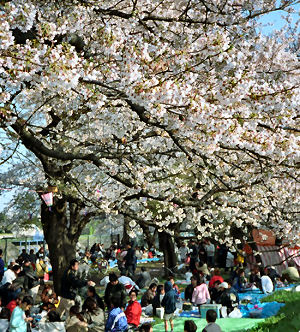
167	112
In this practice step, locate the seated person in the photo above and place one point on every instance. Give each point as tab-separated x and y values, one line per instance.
53	323
228	297
75	322
144	279
147	297
91	292
18	321
116	320
216	275
211	317
239	282
215	292
146	327
4	319
190	326
290	274
93	315
266	284
156	303
133	311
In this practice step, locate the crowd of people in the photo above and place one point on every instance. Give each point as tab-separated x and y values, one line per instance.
27	302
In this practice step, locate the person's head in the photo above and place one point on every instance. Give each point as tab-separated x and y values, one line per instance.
200	280
211	316
190	326
171	279
143	269
91	291
223	286
27	262
31	251
160	290
41	250
5	313
23	251
194	281
133	295
113	278
74	265
229	282
16	269
146	327
128	245
53	316
90	304
217	283
241	273
26	303
115	301
216	272
153	287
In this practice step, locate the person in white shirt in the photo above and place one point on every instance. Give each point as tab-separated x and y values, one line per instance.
210	252
267	284
183	251
10	275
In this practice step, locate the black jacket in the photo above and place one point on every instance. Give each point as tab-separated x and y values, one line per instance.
117	291
188	293
70	283
30	278
130	258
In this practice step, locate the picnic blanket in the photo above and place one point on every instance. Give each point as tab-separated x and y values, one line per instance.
228	324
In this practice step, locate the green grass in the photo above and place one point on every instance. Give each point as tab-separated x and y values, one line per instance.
288	317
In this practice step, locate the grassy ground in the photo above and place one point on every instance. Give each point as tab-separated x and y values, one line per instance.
288	317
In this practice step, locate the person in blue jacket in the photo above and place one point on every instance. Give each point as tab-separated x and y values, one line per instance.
116	321
169	303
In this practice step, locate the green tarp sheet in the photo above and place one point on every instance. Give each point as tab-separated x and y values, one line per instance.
226	324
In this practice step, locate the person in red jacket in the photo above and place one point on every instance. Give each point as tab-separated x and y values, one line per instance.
216	276
134	310
14	303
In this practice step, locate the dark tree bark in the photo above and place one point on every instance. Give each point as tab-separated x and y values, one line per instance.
166	245
149	237
62	227
126	229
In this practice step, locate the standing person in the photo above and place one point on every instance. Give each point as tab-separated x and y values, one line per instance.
114	290
18	321
134	310
70	283
1	265
229	261
175	287
130	260
183	251
200	293
94	316
169	303
41	269
211	317
148	296
210	252
194	256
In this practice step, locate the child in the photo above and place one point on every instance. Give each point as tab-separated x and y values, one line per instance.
200	293
134	310
18	322
116	320
175	287
211	317
169	303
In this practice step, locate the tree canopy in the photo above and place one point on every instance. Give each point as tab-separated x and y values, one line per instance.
167	112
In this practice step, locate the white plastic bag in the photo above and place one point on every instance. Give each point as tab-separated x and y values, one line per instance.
236	313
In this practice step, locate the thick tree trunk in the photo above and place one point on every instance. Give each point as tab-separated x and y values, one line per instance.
61	234
149	237
166	245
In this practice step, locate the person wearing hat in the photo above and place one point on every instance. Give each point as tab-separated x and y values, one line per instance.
227	298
